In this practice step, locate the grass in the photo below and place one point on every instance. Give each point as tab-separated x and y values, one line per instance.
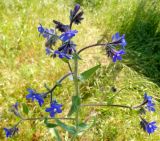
24	64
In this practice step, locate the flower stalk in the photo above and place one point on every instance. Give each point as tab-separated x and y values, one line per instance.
109	105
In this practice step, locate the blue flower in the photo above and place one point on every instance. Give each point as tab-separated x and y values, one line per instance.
149	127
35	96
150	105
54	108
41	29
117	40
68	35
10	132
62	54
116	55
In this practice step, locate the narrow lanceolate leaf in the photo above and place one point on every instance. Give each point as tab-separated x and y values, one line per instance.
58	138
75	105
25	108
88	73
69	129
49	125
83	127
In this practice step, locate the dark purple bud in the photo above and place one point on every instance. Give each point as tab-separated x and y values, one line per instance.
78	18
75	15
14	109
76	9
61	27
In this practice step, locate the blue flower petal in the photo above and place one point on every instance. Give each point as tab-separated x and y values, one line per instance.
35	96
114	58
149	105
54	108
49	109
117	40
52	114
119	57
68	35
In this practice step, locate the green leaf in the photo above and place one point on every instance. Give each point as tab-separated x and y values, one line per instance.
49	125
75	105
25	108
58	138
70	129
88	73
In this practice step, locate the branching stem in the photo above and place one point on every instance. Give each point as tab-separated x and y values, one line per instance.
58	82
90	46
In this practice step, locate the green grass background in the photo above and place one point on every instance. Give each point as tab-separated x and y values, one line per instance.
24	64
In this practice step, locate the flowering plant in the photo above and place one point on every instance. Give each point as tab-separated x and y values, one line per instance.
67	51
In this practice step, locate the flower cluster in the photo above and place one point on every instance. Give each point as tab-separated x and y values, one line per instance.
68	47
149	127
55	107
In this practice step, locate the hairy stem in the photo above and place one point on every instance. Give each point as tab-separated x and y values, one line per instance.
76	89
18	123
42	118
70	68
111	105
90	46
139	106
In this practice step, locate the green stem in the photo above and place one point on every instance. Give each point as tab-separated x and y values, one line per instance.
42	118
18	122
76	90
